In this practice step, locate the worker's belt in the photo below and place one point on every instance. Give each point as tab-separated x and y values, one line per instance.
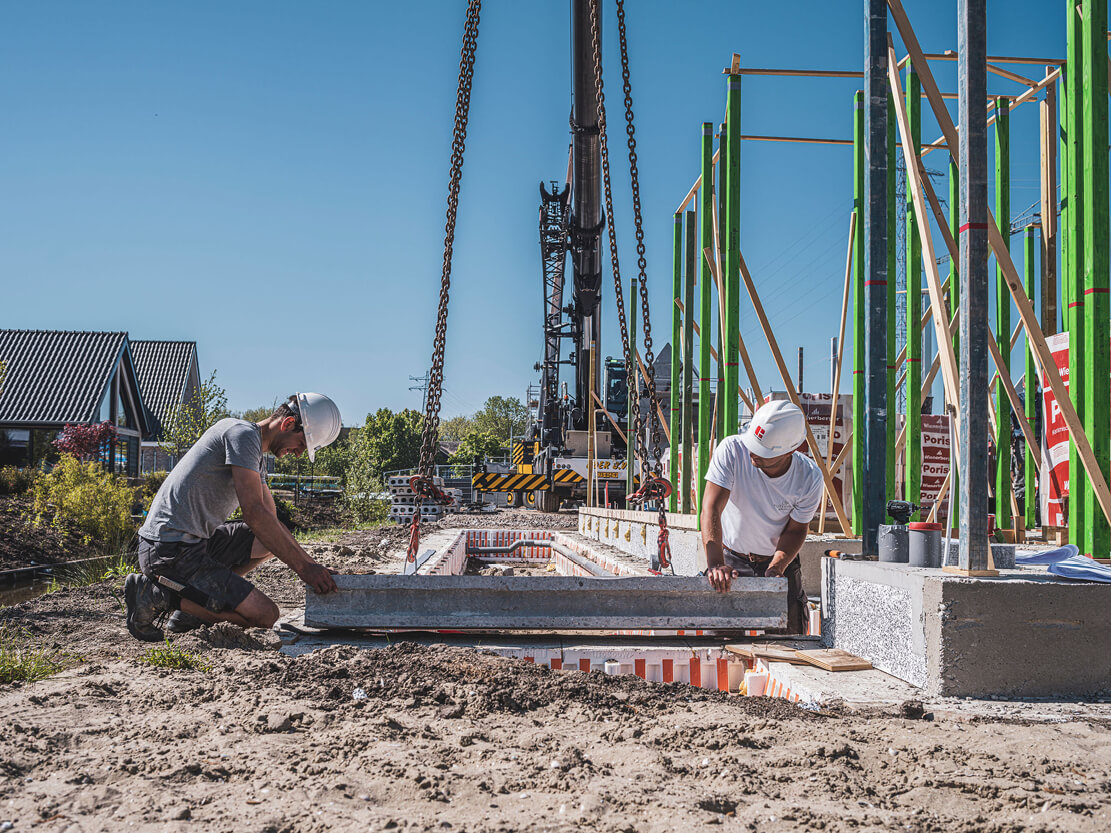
748	556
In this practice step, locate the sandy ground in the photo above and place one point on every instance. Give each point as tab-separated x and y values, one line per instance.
442	738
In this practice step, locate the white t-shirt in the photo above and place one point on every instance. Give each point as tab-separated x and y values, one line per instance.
759	506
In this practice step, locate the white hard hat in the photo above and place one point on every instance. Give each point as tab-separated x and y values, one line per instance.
320	420
778	427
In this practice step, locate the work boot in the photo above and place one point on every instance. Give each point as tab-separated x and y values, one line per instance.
182	622
147	607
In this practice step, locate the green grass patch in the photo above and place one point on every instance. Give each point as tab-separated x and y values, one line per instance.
332	535
174	658
94	571
24	660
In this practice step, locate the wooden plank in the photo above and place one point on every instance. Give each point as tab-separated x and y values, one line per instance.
811	443
609	416
770	652
834	659
840	355
659	408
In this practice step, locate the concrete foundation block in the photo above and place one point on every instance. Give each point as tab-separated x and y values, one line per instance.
1021	634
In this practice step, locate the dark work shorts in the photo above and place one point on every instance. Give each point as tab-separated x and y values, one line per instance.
205	566
797	613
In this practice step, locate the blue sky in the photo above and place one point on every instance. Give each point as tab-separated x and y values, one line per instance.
269	178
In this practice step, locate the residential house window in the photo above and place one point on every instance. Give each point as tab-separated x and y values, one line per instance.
14	444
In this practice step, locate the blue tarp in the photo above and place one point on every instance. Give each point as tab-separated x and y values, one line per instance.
1066	562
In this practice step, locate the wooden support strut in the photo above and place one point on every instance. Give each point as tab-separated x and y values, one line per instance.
811	443
714	353
752	380
949	372
1010	274
840	355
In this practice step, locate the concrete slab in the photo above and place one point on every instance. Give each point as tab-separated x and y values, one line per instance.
515	602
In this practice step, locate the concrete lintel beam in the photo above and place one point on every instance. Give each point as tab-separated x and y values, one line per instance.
556	603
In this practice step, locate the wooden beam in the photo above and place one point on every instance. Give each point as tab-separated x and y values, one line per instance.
1013	76
609	416
811	443
1010	274
915	187
797	73
752	380
840	355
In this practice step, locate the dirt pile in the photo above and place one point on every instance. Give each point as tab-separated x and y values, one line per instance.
439	738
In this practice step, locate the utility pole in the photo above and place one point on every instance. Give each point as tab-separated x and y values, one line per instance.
422	387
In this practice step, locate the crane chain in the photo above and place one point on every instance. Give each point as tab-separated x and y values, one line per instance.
642	263
458	145
634	437
422	484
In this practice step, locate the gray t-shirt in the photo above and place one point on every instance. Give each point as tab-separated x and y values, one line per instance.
199	494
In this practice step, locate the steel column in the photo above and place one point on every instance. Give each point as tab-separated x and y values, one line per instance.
974	329
732	243
1030	386
892	491
720	392
1097	302
954	311
858	311
875	269
675	391
705	309
690	264
1073	279
1003	315
914	308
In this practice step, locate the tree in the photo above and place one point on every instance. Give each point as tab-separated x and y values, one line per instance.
86	441
477	445
456	428
504	417
257	414
388	441
207	406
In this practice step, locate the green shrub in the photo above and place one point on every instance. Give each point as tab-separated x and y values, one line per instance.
174	658
152	482
22	659
85	497
15	481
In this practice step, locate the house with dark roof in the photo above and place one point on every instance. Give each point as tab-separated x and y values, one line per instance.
169	375
54	378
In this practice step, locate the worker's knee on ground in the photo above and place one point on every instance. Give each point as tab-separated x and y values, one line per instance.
258	610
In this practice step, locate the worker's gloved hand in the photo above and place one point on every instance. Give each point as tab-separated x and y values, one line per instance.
721	577
318	577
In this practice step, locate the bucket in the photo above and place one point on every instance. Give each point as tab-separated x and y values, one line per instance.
892	543
924	544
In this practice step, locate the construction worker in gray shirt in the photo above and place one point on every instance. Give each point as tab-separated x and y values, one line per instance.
193	560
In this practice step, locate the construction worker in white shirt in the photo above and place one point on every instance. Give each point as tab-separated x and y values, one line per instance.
760	496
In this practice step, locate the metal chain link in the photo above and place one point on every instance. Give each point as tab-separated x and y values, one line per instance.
633	444
421	483
431	428
642	264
